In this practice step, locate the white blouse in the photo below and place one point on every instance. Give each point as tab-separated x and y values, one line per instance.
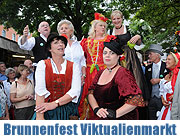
165	87
75	53
40	87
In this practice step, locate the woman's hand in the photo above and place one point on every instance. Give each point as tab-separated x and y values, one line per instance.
39	118
82	80
45	107
102	113
165	103
26	97
135	39
171	97
31	97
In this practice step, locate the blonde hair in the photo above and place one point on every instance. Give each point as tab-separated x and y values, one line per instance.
116	12
92	32
21	67
71	27
175	57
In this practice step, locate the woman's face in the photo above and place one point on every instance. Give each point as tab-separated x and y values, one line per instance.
117	21
100	28
11	75
109	57
57	47
25	73
170	62
64	29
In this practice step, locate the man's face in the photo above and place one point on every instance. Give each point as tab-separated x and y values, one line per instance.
153	56
44	28
2	67
28	63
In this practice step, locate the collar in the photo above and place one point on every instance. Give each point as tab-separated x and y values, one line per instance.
45	39
159	63
125	30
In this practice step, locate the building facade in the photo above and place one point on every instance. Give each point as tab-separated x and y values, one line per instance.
10	53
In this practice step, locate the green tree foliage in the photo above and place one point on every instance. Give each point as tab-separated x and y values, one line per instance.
163	17
18	13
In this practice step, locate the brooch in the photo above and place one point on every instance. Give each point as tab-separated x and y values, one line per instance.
41	44
161	76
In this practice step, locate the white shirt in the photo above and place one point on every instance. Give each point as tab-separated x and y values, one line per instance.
30	76
30	43
113	32
40	87
75	53
156	69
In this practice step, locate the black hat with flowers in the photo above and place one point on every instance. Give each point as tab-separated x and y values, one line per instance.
53	36
115	46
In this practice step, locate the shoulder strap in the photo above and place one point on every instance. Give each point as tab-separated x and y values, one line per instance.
30	82
16	83
111	30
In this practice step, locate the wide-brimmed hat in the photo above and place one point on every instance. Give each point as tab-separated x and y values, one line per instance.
156	49
54	35
114	46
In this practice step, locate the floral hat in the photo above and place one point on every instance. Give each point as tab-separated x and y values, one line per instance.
100	17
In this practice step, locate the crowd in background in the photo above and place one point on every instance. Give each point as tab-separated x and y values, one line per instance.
100	77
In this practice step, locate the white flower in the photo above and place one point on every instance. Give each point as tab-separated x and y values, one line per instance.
144	27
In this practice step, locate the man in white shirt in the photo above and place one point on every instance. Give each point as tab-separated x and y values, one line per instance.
36	44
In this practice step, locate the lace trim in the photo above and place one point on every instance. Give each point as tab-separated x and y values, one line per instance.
135	100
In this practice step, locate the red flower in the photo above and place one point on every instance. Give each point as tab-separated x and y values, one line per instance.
122	57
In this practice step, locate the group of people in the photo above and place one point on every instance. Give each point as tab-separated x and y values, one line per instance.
98	78
17	91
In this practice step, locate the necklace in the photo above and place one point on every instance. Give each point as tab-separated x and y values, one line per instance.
91	54
110	69
119	27
57	72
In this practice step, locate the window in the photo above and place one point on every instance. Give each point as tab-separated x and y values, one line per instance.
3	33
13	37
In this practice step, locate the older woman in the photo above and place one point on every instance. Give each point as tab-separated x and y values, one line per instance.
167	85
73	50
22	94
10	73
114	93
58	83
93	49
